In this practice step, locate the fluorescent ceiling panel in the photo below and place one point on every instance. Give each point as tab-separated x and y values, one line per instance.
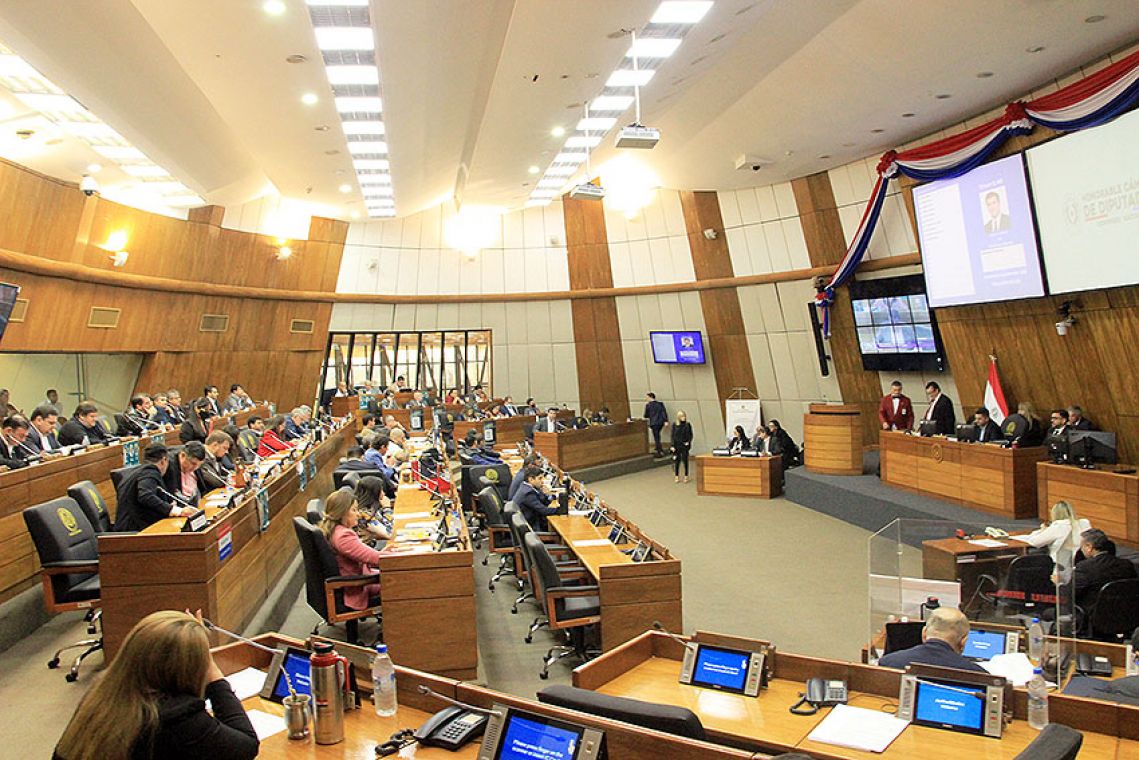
653	47
610	103
630	78
363	127
354	74
347	104
345	38
681	11
596	124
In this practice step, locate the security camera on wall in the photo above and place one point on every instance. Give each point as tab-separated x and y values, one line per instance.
88	185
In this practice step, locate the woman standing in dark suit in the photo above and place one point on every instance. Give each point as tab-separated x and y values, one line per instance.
681	445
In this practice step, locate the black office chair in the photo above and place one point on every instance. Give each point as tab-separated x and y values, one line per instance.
679	721
119	474
89	499
1055	742
247	443
499	540
569	609
324	585
1028	575
69	558
104	423
523	561
314	512
1116	611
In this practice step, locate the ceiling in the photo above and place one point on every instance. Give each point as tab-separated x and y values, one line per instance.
472	88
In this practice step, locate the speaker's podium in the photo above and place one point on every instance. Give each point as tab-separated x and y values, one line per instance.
832	439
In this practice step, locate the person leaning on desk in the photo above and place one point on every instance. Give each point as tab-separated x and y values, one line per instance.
519	478
534	501
149	704
943	638
353	556
1061	536
83	427
739	442
141	503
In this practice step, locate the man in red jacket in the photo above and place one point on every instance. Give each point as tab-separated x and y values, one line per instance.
896	412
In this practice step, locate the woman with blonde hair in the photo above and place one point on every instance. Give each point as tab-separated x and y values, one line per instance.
1061	536
150	702
353	556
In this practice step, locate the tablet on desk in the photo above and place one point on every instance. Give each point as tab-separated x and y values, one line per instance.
295	662
733	670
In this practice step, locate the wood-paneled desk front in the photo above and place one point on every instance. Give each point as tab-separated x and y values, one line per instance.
345	405
508	431
364	730
227	571
633	594
648	668
1109	499
594	445
739	476
832	439
955	559
981	475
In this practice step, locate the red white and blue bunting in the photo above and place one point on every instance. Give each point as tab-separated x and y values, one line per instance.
1094	100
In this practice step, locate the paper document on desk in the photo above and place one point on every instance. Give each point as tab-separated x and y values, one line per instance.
580	512
858	728
265	724
592	542
415	515
988	543
422	524
1014	666
246	683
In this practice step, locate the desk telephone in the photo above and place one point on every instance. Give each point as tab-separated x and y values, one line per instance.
451	728
821	692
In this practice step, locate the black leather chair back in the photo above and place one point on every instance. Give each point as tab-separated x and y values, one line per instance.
679	721
89	499
1032	574
490	504
314	512
120	474
247	443
1116	611
544	573
469	484
320	563
61	532
1055	742
351	478
519	529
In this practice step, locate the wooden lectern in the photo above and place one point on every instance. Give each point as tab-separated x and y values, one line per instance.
832	437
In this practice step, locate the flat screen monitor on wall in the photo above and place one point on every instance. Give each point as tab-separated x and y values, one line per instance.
978	240
896	329
677	347
8	295
1086	189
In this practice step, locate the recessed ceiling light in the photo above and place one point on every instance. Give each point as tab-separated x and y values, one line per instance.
551	182
377	192
120	152
877	131
681	11
557	131
596	124
371	163
1034	49
653	47
610	103
348	104
345	38
374	179
907	115
1094	19
943	96
321	127
274	7
332	152
310	99
94	168
533	170
345	188
543	193
984	74
570	157
352	74
825	156
296	58
630	78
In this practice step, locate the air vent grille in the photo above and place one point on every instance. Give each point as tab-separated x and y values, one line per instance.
304	326
19	311
104	317
214	323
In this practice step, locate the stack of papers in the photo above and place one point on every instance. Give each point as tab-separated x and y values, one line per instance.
246	683
858	728
1014	666
592	542
988	543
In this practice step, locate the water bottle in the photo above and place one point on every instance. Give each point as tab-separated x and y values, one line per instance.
1037	700
1035	641
383	683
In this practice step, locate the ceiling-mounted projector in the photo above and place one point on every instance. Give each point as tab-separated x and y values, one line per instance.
638	136
587	191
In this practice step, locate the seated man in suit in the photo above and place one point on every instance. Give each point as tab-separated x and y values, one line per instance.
1099	567
354	461
141	502
534	501
550	422
212	474
14	452
181	476
943	638
895	411
416	401
1059	422
377	456
83	428
1077	420
295	425
528	461
174	408
238	400
940	410
601	417
987	430
42	436
508	407
212	396
136	417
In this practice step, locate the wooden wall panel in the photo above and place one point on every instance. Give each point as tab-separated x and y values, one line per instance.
723	318
822	231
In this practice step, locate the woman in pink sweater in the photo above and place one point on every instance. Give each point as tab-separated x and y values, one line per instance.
353	556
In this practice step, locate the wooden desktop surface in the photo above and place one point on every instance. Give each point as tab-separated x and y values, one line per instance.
985	476
574	529
594	445
739	476
1109	499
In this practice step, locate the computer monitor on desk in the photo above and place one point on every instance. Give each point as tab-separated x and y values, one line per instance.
927	428
1057	444
1091	447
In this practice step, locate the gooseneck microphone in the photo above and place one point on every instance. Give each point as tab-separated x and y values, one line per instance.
429	692
679	640
181	500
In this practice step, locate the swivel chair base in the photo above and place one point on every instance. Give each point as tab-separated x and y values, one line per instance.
93	618
575	648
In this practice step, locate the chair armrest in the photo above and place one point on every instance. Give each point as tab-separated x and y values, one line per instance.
567	592
71	566
547	536
350	581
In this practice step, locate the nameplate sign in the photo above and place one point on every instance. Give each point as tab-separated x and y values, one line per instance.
196	521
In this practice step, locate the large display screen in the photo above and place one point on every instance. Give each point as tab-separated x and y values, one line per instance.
978	241
721	669
895	328
524	738
8	295
677	347
1086	189
958	708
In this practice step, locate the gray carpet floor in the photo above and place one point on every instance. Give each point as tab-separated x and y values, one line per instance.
765	569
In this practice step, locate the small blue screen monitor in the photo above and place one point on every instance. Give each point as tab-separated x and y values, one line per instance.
296	664
984	645
526	737
724	669
677	347
957	707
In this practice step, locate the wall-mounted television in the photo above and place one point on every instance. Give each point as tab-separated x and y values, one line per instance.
8	294
978	237
896	328
677	347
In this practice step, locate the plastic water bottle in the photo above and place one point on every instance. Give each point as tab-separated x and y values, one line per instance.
383	683
1037	700
1035	641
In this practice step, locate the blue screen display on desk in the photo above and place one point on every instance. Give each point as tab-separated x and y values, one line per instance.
526	739
297	666
720	668
984	645
677	347
949	706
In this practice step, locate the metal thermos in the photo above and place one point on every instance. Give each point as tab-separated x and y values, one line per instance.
329	682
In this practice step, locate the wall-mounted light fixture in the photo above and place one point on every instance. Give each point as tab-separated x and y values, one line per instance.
1067	319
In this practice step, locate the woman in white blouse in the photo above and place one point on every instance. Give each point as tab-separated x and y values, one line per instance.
1061	536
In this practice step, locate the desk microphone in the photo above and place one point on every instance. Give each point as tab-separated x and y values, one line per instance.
145	422
429	692
683	642
35	454
180	499
255	644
